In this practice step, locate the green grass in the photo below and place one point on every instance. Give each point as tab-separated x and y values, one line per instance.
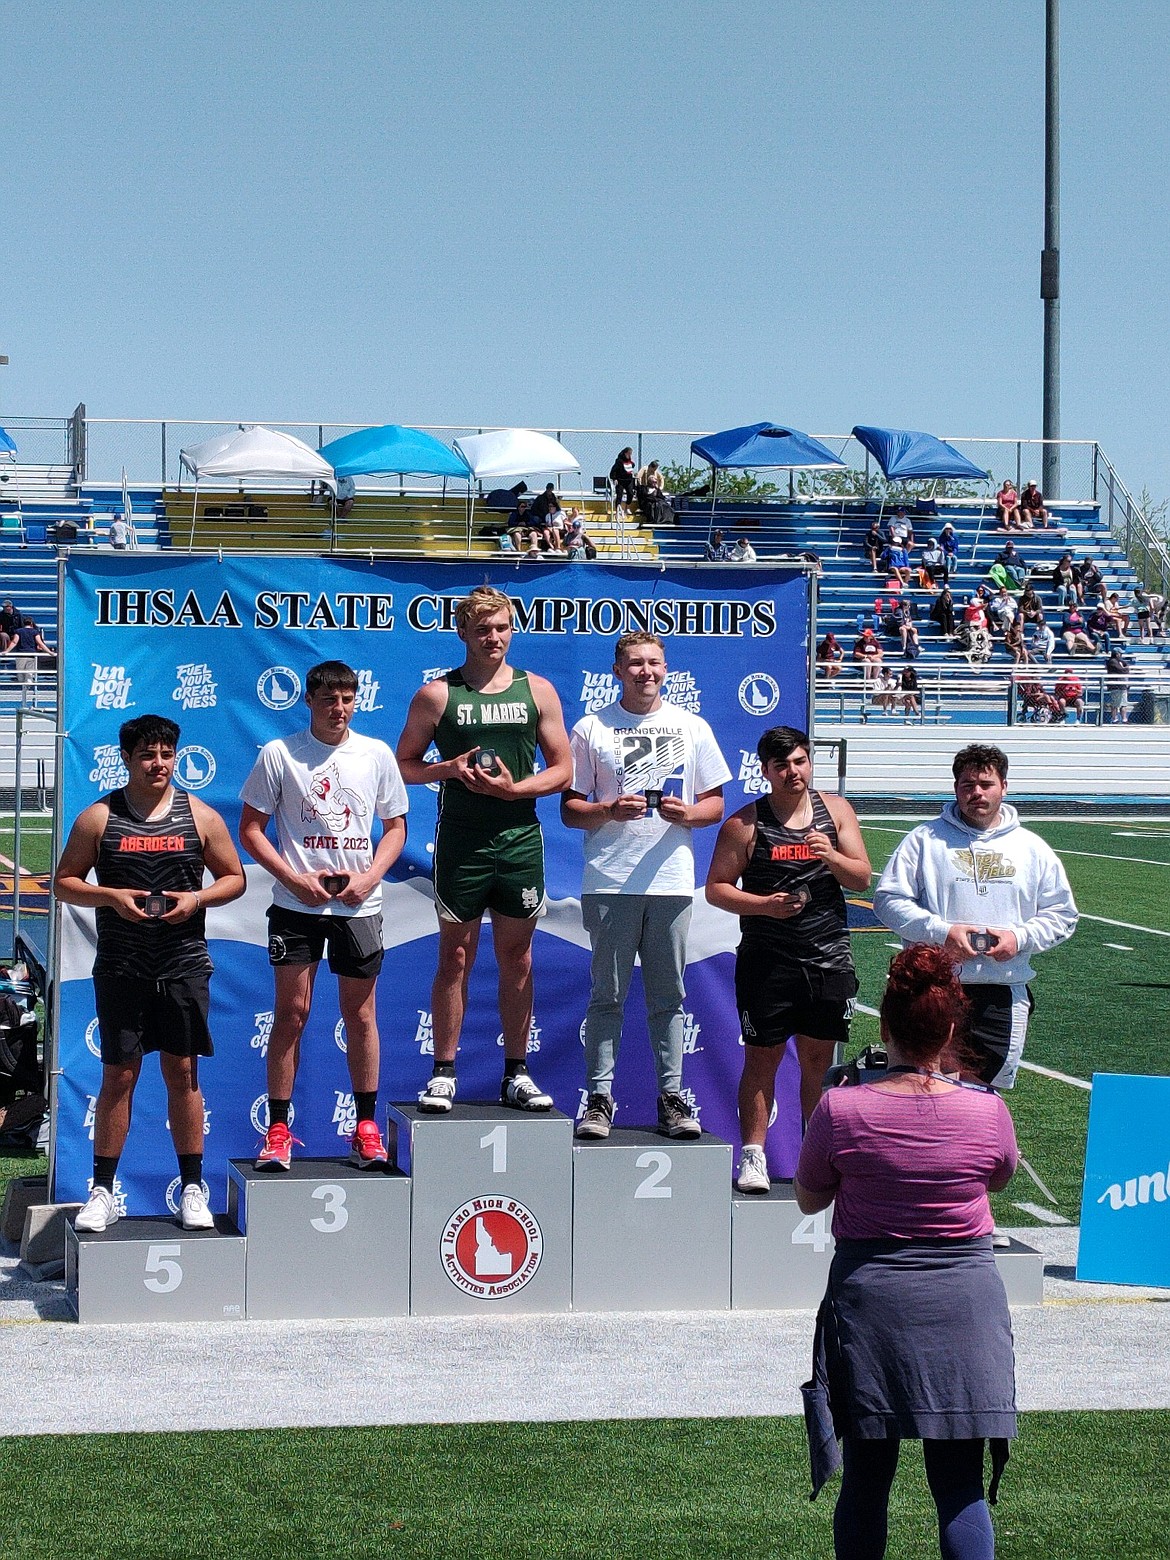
1098	1008
1078	1485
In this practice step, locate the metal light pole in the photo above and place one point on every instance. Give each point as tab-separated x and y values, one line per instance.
1050	257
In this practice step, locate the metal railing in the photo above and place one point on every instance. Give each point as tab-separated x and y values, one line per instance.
1142	697
1143	547
25	686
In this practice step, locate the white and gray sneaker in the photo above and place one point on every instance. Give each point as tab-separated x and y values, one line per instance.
597	1118
753	1170
99	1212
439	1094
522	1093
194	1214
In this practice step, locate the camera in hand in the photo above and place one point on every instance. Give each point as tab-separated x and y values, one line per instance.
335	882
873	1059
487	760
653	798
982	942
156	905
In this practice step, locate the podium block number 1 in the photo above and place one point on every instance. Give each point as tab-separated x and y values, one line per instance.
163	1273
334	1214
653	1185
497	1141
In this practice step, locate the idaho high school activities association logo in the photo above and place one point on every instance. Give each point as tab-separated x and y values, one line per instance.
491	1247
278	687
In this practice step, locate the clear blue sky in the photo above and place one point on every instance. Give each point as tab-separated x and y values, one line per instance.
671	215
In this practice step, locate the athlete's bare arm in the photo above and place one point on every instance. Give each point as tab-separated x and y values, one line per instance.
733	849
553	741
219	857
422	718
362	884
849	863
78	860
305	886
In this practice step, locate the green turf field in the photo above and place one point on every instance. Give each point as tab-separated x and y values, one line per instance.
1100	998
1079	1486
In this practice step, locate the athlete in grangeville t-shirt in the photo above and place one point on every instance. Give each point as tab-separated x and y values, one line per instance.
487	720
645	775
327	788
780	864
149	846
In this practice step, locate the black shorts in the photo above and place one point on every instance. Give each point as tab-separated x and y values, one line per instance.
354	942
997	1028
775	1000
137	1016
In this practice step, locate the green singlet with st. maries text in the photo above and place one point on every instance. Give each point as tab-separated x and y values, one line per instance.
505	721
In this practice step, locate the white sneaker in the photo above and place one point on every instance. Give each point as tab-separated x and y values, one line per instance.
753	1170
98	1214
439	1094
1000	1240
522	1092
194	1214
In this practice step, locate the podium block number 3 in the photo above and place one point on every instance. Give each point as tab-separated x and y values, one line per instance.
163	1273
334	1214
497	1141
658	1165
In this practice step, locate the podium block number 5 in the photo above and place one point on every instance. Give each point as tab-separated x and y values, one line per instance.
497	1141
334	1214
658	1165
163	1273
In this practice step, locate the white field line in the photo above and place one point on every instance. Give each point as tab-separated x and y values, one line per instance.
1045	1072
1126	926
1045	1215
1100	855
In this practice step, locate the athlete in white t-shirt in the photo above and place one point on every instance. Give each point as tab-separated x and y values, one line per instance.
645	773
325	787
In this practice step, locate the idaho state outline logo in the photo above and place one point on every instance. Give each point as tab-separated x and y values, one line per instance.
491	1247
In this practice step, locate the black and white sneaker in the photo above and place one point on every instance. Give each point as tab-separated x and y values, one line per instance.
522	1093
598	1117
675	1117
439	1095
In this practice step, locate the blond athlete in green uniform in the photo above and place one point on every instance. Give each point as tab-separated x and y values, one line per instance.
487	720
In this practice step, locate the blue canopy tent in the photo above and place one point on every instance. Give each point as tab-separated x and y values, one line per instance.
7	447
903	454
762	446
395	451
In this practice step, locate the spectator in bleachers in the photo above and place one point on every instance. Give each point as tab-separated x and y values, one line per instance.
28	650
1075	634
1031	607
1118	616
974	636
873	545
949	542
933	569
901	622
910	700
896	561
622	475
900	530
1032	504
868	652
1070	693
118	532
1117	669
519	524
884	688
1143	606
943	612
10	621
1013	642
1014	567
1066	582
1099	626
1007	507
743	551
717	550
1092	581
830	657
975	612
653	501
1001	609
1044	643
544	503
1038	705
577	543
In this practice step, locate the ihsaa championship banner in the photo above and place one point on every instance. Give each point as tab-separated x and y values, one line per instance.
223	646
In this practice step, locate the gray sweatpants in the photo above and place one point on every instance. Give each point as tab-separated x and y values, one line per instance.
621	926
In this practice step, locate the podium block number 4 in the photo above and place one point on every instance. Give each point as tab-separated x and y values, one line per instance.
497	1141
658	1165
334	1214
813	1231
163	1273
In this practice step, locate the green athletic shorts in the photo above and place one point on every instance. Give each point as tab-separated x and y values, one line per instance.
478	870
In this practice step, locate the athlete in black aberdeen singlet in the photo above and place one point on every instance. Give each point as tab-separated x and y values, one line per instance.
149	845
781	864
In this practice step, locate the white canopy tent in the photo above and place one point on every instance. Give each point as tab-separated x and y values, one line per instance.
510	452
254	455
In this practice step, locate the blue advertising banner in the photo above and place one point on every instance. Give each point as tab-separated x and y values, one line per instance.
1125	1206
223	646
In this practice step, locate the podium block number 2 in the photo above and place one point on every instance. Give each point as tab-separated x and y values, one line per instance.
652	1185
497	1141
334	1214
163	1273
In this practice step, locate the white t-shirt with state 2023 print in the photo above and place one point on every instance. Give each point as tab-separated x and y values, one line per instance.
617	753
325	800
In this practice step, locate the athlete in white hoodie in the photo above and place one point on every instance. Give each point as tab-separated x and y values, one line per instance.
973	873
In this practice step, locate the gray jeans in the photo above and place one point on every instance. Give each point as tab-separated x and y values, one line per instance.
620	926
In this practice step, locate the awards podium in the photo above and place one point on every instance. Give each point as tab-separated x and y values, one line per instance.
481	1209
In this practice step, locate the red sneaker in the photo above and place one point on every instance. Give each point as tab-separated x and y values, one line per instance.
277	1151
366	1149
